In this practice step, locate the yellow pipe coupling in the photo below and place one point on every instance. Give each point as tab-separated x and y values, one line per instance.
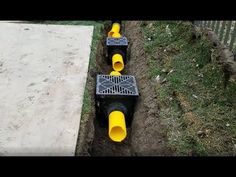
117	127
117	62
115	31
116	35
115	73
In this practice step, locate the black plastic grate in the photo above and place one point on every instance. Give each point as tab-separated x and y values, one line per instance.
117	41
116	85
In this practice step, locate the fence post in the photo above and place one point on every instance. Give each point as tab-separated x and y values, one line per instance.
222	30
227	32
204	24
197	23
208	24
201	23
213	25
233	37
217	27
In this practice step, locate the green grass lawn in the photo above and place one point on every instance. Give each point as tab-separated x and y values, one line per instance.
197	108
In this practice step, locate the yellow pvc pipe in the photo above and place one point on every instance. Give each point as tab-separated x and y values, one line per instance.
117	62
115	73
117	127
115	31
116	35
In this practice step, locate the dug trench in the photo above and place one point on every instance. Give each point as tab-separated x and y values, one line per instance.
147	134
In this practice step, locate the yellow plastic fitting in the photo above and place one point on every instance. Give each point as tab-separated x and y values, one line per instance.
116	35
117	127
115	73
117	62
114	30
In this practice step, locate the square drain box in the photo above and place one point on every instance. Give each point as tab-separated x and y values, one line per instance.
116	45
115	93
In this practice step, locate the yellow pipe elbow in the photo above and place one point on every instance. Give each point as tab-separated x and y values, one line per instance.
114	30
115	73
117	62
117	127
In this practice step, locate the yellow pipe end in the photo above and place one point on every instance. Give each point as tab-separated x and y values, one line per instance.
117	62
115	73
115	29
117	127
116	35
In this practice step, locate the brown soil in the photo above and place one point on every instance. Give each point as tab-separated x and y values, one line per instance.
146	135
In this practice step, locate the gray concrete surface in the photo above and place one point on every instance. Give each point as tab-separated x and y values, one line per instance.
43	70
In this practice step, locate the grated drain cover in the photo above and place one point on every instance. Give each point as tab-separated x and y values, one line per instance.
116	85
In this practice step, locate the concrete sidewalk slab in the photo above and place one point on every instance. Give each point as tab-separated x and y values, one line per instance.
43	71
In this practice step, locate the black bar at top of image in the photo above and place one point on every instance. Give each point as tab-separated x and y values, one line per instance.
135	10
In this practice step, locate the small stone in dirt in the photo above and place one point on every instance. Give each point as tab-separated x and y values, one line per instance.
227	125
158	79
171	71
200	75
163	81
195	96
203	133
200	133
207	132
149	39
163	70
